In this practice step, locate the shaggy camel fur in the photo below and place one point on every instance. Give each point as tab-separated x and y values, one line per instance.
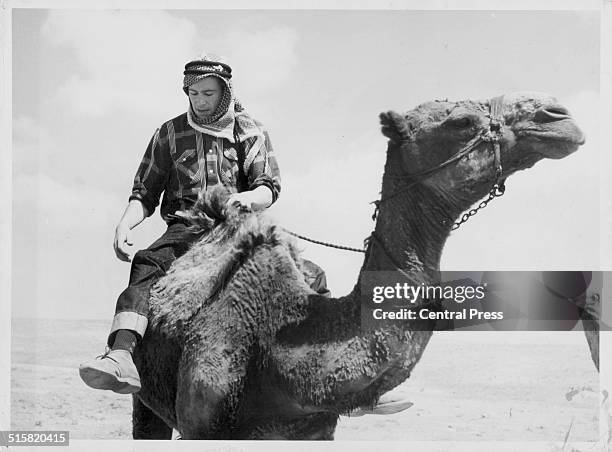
239	347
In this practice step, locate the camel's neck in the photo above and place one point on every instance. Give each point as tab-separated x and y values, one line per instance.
409	236
411	229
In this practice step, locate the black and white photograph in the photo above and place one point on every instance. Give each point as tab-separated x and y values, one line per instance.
380	224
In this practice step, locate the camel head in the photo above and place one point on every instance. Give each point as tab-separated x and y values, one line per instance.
532	127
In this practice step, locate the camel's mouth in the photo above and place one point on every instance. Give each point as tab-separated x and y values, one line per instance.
552	134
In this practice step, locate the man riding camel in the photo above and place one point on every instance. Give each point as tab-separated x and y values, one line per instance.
214	142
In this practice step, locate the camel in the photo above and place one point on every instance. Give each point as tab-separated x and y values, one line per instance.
239	347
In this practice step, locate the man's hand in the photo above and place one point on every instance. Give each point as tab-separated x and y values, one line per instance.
134	214
123	240
257	199
243	201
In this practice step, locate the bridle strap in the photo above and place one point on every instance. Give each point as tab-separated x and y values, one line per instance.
496	121
469	147
420	177
496	112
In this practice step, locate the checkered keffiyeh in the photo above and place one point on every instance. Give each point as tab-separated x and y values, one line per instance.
203	66
229	116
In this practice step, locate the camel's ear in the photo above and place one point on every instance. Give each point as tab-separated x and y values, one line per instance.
394	126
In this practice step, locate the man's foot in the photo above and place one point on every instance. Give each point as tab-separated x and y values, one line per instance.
386	405
115	371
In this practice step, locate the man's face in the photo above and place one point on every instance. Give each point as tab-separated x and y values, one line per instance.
205	96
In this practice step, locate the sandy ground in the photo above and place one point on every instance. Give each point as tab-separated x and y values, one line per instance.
469	386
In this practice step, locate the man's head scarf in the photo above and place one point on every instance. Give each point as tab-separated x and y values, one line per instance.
229	119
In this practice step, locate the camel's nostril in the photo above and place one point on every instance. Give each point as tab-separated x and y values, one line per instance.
551	113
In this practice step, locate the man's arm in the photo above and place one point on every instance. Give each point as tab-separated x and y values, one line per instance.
134	214
149	183
152	174
264	180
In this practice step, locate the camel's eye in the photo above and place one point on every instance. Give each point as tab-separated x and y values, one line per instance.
459	123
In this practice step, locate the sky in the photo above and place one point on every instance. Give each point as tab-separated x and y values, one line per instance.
91	87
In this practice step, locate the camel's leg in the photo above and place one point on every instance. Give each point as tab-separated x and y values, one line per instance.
591	331
146	424
210	381
590	316
208	396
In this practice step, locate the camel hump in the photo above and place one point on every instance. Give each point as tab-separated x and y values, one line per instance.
201	276
394	126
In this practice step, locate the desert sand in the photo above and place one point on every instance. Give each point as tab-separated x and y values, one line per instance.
469	386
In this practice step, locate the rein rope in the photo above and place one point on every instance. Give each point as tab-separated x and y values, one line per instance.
492	135
329	245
